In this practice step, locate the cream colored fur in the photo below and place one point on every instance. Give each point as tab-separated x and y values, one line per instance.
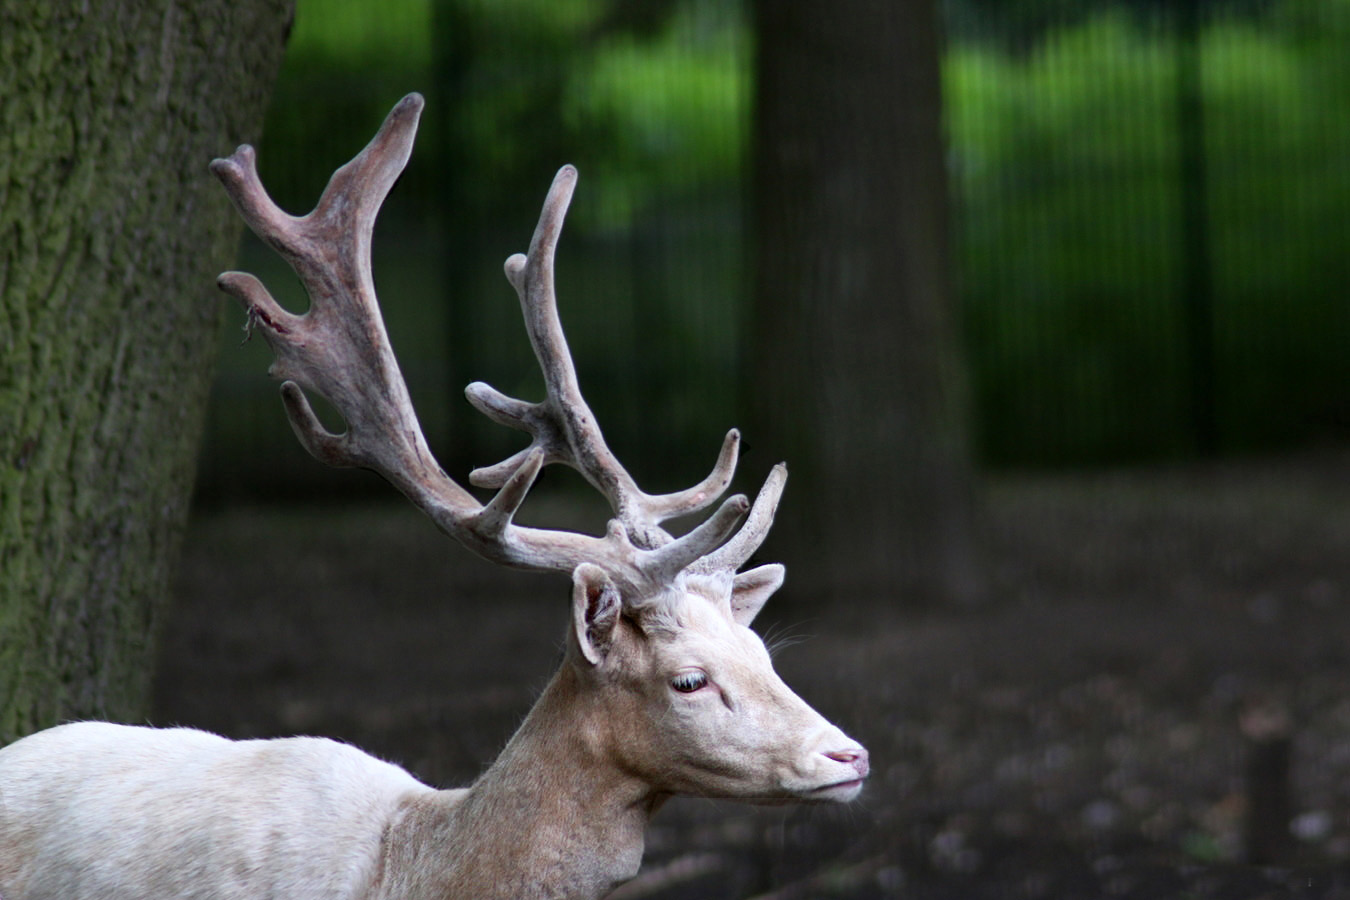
664	688
93	811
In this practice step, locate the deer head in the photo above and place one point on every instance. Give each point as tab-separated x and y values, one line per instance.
664	689
702	710
662	673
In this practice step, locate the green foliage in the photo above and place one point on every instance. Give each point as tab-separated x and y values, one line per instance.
1020	24
654	115
673	110
392	33
1070	243
346	64
650	115
1070	246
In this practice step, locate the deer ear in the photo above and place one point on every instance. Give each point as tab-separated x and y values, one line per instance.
752	588
595	611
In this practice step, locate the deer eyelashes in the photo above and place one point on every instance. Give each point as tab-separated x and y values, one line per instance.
689	682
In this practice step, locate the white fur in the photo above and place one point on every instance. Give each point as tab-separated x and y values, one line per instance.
93	811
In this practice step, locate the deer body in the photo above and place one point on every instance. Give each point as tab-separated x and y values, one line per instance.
97	810
663	689
94	811
305	819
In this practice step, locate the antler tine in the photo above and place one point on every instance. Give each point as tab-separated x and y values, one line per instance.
734	553
563	425
665	562
368	178
339	349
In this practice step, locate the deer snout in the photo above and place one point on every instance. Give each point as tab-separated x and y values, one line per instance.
853	756
841	778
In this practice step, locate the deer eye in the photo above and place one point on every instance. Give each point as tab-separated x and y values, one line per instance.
688	682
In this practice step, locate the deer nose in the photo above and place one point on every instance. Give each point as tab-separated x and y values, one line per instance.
854	756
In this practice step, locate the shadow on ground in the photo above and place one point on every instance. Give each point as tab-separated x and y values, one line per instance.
1158	690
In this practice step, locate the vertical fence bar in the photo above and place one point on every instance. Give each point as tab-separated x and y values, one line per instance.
1197	282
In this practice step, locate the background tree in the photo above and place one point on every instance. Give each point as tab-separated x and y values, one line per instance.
855	370
111	234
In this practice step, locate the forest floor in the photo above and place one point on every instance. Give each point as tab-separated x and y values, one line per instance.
1109	724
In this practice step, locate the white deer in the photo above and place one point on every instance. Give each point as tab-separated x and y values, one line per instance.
663	689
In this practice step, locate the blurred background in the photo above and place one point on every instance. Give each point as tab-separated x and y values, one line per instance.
1148	203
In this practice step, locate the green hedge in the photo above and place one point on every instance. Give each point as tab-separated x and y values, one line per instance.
1070	247
1069	244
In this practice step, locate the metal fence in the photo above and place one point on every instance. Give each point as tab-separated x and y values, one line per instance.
1153	235
1152	207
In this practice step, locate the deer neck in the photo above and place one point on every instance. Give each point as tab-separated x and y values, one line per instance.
553	817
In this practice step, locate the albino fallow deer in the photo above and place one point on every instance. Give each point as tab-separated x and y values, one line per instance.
663	688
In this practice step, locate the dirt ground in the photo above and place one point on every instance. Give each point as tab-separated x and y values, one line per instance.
1109	725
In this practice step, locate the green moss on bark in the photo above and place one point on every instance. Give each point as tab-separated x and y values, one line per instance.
111	234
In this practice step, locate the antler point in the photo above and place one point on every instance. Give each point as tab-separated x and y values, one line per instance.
562	426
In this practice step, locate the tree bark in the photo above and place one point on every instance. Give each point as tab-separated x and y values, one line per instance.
855	369
111	234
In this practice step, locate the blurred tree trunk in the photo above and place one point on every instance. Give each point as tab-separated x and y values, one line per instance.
111	234
855	370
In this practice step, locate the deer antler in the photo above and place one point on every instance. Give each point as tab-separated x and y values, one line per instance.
563	426
339	349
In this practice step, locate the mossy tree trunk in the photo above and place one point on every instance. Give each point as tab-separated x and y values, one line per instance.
855	365
111	234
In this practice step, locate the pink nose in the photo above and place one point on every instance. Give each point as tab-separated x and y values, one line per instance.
856	757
